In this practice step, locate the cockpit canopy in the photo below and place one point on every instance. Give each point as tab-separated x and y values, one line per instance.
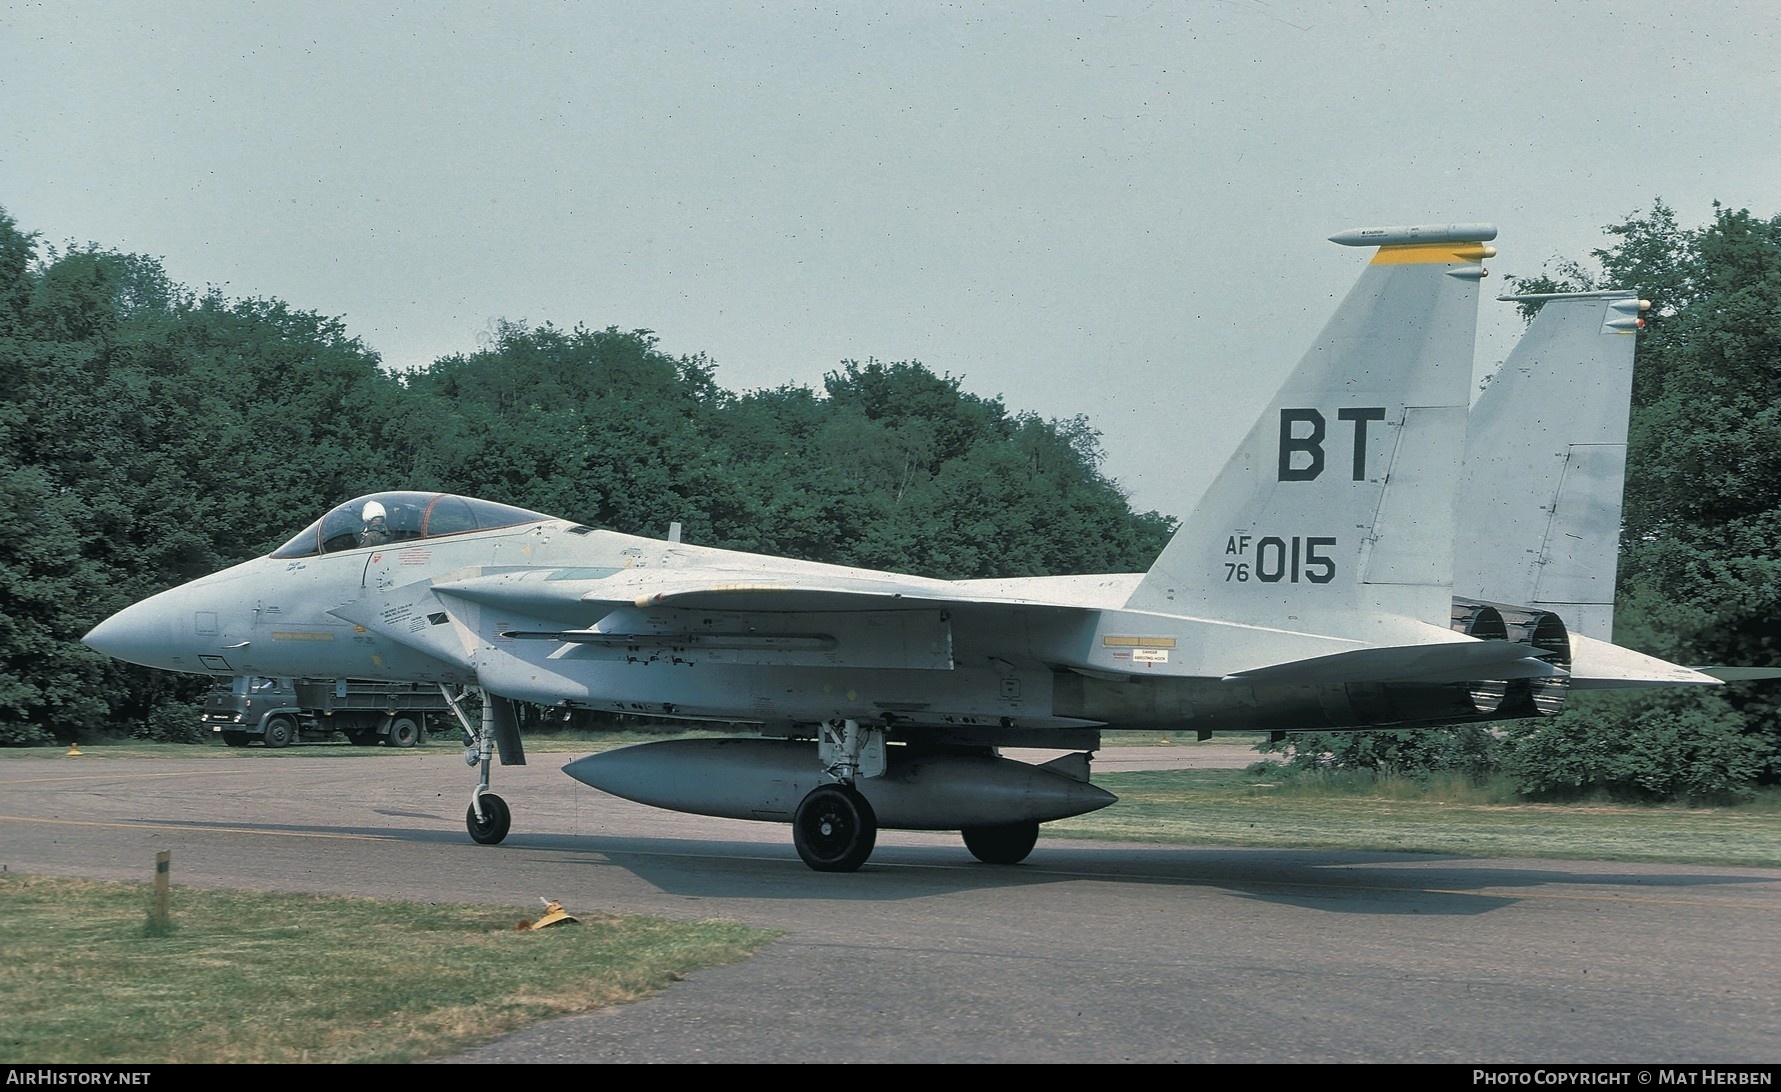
383	519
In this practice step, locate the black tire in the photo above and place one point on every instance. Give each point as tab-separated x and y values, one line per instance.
406	732
1002	845
237	739
834	829
495	823
280	731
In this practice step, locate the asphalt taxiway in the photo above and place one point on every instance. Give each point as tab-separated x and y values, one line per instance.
1087	952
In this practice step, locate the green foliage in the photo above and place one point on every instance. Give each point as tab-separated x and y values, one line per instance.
47	679
92	295
898	468
1659	747
176	721
148	437
16	251
25	734
1702	529
1469	752
592	425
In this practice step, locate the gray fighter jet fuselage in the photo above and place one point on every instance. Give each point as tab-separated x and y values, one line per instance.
750	638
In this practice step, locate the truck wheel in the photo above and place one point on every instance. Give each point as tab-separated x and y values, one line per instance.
404	732
280	731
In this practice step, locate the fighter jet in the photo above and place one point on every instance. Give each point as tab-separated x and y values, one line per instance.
1311	588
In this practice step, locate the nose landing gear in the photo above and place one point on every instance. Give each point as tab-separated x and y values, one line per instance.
488	818
492	825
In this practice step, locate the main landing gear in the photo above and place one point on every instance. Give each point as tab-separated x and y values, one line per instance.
1002	845
834	828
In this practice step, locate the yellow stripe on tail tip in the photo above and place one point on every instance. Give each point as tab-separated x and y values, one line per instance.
1430	253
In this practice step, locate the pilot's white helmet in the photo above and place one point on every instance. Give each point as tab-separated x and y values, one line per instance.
373	510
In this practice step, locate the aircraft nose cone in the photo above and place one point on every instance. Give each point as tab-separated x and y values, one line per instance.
138	634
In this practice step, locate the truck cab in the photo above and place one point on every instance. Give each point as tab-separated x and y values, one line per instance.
280	712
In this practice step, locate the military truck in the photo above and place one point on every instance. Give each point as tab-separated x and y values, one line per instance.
281	712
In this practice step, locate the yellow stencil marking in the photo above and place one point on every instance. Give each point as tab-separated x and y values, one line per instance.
1138	642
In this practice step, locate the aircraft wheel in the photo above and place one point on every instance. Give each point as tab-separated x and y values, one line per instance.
405	732
834	829
1008	844
280	731
236	739
495	823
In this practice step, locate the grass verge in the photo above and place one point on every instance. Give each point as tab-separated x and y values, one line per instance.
1232	807
258	978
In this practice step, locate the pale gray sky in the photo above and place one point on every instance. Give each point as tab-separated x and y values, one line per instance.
1115	209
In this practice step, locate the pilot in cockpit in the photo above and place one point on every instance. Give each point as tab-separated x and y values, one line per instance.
376	531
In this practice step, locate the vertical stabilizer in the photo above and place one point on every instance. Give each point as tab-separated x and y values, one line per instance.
1540	498
1336	510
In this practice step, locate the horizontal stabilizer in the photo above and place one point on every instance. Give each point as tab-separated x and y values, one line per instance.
1433	664
1741	674
1598	665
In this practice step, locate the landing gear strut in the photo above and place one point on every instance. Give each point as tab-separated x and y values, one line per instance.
834	828
488	818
